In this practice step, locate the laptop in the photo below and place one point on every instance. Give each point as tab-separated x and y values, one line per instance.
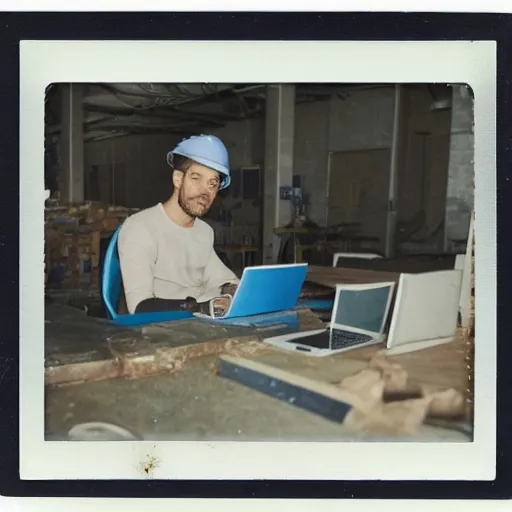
264	289
358	318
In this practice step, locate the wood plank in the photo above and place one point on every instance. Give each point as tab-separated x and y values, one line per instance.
79	348
329	369
312	290
314	396
410	264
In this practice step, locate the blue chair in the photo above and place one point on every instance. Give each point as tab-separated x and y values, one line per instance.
111	290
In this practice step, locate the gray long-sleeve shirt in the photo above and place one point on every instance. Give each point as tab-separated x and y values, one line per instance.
161	259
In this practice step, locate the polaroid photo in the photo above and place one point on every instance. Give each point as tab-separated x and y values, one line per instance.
274	153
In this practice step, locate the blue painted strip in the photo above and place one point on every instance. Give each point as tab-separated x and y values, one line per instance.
311	401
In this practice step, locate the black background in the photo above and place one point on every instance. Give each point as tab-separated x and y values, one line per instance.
241	26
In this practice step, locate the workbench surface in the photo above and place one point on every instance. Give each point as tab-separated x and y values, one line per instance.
185	401
195	404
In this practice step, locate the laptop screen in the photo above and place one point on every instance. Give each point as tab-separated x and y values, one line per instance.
362	309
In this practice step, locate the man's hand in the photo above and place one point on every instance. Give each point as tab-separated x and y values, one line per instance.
191	305
220	306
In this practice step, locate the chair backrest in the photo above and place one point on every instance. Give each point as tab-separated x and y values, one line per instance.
111	288
111	282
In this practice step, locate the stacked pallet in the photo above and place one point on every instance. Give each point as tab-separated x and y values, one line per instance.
72	257
73	234
100	216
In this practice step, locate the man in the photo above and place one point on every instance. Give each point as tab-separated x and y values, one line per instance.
166	252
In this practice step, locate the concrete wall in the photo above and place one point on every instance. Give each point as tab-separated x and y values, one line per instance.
145	175
460	191
245	141
422	171
364	120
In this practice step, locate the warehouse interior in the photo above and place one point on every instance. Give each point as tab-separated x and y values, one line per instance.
318	170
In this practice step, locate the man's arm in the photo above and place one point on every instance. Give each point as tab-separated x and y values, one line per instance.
137	255
155	305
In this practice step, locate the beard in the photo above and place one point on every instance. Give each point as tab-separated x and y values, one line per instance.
194	207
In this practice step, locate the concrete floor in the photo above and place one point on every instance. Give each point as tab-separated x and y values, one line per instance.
197	405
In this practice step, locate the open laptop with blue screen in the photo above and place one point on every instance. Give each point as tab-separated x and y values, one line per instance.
265	289
358	319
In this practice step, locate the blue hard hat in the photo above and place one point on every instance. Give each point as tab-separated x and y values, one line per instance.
207	150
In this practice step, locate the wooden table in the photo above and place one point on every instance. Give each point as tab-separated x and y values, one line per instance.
80	348
161	381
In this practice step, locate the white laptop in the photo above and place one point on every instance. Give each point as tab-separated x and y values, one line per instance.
358	319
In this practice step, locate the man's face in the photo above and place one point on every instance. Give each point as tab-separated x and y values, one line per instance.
198	187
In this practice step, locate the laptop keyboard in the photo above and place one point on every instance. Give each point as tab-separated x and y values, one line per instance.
344	339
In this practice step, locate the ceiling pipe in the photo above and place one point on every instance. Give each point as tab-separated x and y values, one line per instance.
164	112
181	93
170	90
